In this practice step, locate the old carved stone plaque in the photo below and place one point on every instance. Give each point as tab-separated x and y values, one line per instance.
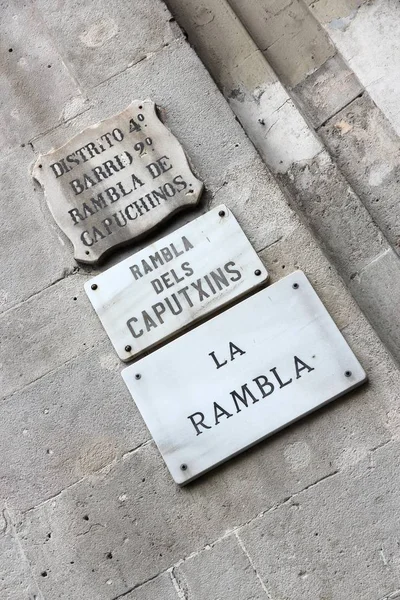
116	180
242	376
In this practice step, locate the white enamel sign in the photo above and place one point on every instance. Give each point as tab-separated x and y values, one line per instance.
176	281
116	180
242	376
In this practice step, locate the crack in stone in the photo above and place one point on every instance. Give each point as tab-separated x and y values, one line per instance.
180	585
149	55
135	587
244	549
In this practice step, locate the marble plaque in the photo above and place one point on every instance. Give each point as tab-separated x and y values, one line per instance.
181	278
240	377
116	180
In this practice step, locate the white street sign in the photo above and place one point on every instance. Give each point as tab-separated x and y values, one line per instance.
242	376
157	292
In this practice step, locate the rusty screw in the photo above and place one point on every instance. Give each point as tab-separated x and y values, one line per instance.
94	286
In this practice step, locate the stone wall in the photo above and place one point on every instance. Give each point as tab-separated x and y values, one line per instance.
289	113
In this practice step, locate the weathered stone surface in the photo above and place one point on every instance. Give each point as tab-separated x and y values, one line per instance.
338	539
252	89
16	581
367	149
134	510
44	332
384	379
126	204
160	588
335	213
271	119
31	71
353	242
256	201
222	571
33	257
329	10
293	42
68	424
377	289
98	44
366	34
299	250
326	91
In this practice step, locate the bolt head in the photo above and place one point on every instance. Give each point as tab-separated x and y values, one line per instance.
94	286
128	348
184	467
221	213
295	286
257	272
137	376
348	373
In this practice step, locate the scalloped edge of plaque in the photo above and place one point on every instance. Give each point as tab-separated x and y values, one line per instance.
90	256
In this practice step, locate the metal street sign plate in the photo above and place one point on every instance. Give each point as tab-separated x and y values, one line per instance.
157	292
242	376
116	180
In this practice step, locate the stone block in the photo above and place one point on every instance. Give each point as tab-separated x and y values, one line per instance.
46	331
37	88
258	204
221	41
88	39
377	290
384	377
252	89
160	588
327	90
291	39
337	216
366	35
300	250
133	512
222	571
33	256
271	119
329	10
366	149
16	581
338	539
70	423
